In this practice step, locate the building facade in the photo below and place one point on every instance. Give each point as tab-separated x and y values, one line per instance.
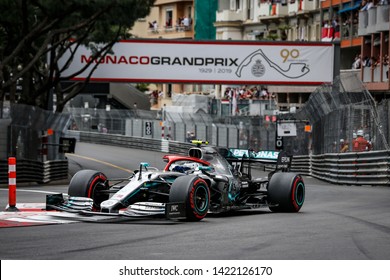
362	33
168	19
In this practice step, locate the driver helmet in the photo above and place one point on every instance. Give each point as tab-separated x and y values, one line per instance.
359	132
187	168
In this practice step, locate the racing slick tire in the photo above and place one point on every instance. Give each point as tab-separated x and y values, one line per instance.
195	193
89	183
286	192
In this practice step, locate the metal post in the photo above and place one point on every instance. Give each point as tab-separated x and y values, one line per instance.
12	185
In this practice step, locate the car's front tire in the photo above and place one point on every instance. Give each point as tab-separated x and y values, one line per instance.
194	192
286	192
89	183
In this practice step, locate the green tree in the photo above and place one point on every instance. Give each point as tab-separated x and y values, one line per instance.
34	35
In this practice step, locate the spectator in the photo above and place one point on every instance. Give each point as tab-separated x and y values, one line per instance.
368	6
168	23
360	144
336	27
190	136
366	61
155	26
256	93
373	61
385	59
362	4
186	23
357	64
154	97
344	147
263	93
385	63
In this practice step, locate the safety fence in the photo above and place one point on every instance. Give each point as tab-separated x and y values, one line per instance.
35	171
256	131
340	111
362	168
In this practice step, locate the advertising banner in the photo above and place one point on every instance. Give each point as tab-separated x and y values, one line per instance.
216	62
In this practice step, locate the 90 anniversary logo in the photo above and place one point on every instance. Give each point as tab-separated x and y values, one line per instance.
293	71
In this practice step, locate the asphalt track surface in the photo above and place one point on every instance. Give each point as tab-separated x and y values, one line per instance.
335	223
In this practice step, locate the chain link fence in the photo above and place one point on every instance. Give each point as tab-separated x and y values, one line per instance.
234	131
28	136
339	111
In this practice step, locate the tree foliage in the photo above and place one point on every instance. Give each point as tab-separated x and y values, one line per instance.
34	34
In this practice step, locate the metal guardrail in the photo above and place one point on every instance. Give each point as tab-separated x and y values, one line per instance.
301	165
363	168
28	171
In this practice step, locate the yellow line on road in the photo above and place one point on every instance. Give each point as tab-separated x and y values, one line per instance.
100	161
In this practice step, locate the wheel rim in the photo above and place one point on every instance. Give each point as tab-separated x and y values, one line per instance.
201	198
300	193
94	189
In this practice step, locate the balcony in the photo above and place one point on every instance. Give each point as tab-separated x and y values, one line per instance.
382	18
309	5
228	15
290	7
376	74
371	20
374	20
363	23
171	32
279	10
268	10
294	7
348	31
164	2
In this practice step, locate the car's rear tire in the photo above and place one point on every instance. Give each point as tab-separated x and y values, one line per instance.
194	192
89	183
286	192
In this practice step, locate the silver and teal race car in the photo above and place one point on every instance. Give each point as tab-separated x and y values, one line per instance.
207	180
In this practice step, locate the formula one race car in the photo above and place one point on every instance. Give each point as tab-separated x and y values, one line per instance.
208	180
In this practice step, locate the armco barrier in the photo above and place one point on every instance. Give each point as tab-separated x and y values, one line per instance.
301	165
34	171
363	168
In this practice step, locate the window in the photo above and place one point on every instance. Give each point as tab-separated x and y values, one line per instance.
168	17
235	5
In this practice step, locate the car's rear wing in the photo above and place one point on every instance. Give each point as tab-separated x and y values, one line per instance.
281	159
261	156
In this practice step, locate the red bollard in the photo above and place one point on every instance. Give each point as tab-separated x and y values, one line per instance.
12	184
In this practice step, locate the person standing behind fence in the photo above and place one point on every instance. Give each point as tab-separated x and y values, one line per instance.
360	144
344	147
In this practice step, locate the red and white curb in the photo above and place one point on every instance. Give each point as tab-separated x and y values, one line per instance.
30	214
34	214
